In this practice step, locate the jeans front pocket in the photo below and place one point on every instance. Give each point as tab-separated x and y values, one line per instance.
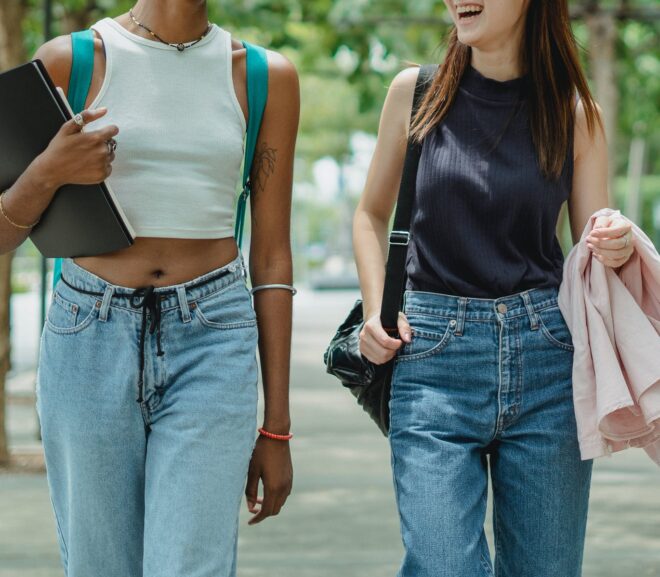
68	317
430	336
229	308
554	328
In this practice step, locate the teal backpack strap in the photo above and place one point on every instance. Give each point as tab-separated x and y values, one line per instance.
82	69
257	94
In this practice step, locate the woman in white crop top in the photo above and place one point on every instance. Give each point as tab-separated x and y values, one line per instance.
153	488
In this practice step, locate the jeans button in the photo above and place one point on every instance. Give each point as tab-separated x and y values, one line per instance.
502	308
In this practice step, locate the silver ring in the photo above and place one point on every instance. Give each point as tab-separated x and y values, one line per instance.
78	119
112	145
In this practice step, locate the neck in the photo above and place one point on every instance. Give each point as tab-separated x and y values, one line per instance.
173	20
500	61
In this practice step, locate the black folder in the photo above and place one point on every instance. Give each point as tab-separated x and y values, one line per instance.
81	220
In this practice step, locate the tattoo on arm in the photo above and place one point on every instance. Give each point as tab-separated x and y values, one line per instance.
264	166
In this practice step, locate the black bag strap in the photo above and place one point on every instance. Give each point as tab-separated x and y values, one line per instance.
395	274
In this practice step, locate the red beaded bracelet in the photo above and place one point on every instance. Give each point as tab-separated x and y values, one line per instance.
264	433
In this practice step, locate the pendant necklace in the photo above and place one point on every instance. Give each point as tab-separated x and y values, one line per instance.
180	46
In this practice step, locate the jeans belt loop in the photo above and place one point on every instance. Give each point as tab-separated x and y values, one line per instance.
108	293
241	264
460	316
183	304
531	313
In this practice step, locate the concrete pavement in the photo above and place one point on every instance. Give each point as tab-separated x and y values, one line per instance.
341	519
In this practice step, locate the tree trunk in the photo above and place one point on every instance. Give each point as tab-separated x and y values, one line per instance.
12	53
73	20
5	293
603	32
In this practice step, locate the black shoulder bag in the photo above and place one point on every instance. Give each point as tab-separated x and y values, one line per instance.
368	382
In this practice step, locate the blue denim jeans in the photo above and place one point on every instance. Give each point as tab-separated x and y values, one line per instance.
487	384
147	402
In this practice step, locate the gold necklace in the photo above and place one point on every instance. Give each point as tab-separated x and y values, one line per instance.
180	46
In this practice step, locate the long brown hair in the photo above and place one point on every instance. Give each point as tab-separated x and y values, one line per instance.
549	57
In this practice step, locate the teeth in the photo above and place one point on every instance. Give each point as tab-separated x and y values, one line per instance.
469	8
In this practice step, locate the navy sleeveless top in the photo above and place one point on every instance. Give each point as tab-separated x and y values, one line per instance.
484	216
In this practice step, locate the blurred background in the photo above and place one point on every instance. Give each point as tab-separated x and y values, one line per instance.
341	518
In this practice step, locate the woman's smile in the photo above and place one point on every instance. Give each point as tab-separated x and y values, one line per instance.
468	13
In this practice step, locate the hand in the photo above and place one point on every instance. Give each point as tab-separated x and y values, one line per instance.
610	241
77	157
271	462
376	345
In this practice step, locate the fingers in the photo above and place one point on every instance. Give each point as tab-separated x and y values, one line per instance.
252	490
88	116
104	134
617	243
612	257
93	114
375	344
612	263
612	249
602	222
376	331
404	328
272	503
615	229
612	245
613	254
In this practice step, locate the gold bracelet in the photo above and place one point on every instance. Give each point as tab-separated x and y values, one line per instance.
9	220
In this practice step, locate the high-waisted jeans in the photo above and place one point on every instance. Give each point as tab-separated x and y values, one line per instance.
147	401
488	382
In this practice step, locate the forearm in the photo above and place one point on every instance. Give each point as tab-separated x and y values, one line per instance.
274	318
370	246
24	203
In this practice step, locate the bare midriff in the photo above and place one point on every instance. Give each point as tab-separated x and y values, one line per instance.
161	261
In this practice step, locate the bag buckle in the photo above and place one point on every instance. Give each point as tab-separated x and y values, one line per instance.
400	238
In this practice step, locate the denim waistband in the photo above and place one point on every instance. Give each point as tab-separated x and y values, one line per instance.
524	303
170	296
150	302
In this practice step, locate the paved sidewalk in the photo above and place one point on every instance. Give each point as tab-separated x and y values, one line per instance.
341	519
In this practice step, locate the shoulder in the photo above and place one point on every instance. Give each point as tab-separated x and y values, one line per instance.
57	57
56	54
399	101
283	83
402	90
403	85
281	72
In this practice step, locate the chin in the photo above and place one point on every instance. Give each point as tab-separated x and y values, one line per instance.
470	19
469	38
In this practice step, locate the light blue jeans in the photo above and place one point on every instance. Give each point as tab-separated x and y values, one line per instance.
147	401
488	378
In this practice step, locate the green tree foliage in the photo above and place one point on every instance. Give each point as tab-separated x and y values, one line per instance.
347	52
639	69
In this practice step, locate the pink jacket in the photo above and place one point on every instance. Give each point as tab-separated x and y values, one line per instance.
614	319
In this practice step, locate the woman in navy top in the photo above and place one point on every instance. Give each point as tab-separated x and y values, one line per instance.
482	379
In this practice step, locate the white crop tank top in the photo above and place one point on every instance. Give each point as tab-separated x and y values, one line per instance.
181	132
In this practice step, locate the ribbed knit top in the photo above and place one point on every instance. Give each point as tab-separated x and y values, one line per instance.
181	130
484	217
